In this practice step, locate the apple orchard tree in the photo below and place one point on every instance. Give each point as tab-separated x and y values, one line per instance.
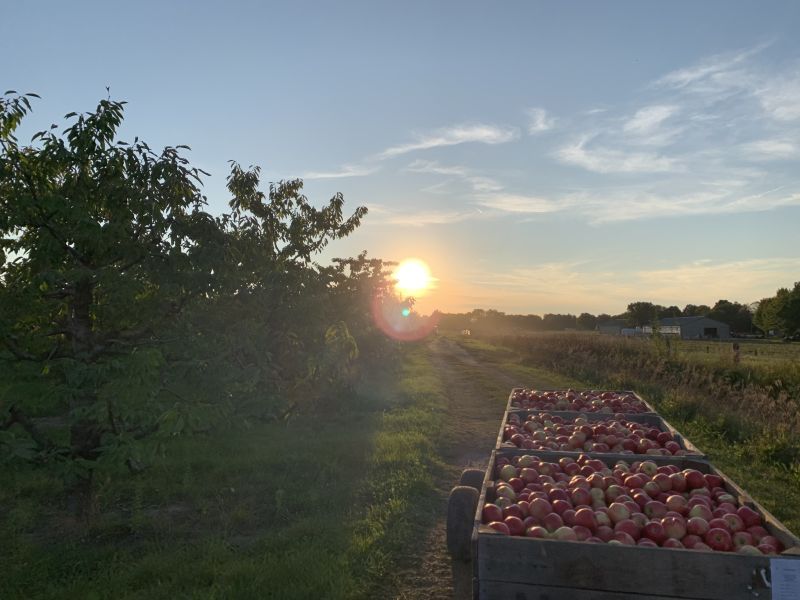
116	288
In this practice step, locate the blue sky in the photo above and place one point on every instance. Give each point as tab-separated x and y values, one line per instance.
540	157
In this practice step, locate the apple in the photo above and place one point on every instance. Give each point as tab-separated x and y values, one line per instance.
618	512
674	527
672	543
741	538
749	517
529	475
582	533
701	546
491	512
663	481
540	508
758	532
718	539
604	532
712	480
624	538
655	509
734	522
719	523
690	540
507	472
565	534
747	549
515	525
537	531
585	517
513	511
700	511
500	527
772	541
677	503
678	482
767	549
697	526
552	522
654	531
629	527
694	479
560	506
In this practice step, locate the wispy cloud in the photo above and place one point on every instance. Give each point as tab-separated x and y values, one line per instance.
512	203
345	171
608	160
421	217
539	121
771	149
780	97
648	120
478	183
451	136
713	69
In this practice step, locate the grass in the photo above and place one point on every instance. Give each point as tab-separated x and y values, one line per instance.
761	456
316	508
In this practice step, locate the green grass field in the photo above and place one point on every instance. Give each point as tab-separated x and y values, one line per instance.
320	507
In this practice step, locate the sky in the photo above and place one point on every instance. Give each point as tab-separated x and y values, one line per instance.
539	157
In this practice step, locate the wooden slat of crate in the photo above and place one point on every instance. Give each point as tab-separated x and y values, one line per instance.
624	569
505	590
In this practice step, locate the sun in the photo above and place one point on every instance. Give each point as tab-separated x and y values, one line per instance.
412	278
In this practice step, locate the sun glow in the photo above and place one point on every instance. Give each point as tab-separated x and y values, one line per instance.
413	278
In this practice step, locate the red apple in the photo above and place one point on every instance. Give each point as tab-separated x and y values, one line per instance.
655	509
672	543
718	539
582	533
624	538
515	525
491	512
734	522
586	518
697	526
540	508
719	523
618	512
690	540
537	531
700	511
749	517
674	527
552	522
629	527
565	534
677	503
500	527
758	532
678	482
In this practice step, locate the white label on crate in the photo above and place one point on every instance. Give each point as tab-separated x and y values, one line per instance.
785	578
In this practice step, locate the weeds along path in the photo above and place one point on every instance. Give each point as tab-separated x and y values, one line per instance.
476	385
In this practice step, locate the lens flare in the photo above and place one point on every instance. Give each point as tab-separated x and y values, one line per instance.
412	278
398	321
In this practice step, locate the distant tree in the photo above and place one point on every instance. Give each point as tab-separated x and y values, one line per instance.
642	313
603	317
734	314
694	310
789	311
558	322
669	312
587	321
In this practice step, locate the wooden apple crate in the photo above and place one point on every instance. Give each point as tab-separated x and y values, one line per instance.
653	420
534	569
649	406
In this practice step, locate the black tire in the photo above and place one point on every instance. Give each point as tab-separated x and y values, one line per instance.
472	478
461	509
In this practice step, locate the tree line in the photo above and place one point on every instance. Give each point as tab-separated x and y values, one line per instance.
780	313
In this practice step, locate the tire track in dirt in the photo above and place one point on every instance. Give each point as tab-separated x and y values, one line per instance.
472	421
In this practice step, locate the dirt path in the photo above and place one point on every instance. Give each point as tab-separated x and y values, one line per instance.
473	420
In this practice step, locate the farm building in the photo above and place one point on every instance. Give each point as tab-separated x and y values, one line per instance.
694	328
612	327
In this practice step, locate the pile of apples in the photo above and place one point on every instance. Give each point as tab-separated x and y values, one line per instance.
587	401
543	431
639	504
